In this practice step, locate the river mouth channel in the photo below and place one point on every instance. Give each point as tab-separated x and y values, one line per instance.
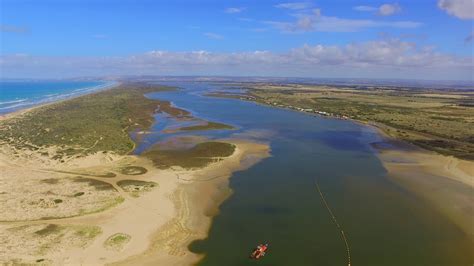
277	201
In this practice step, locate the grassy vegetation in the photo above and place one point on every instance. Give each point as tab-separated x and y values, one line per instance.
135	187
207	126
88	232
133	170
97	184
113	202
196	157
51	181
117	241
437	120
49	229
78	194
104	174
87	124
173	111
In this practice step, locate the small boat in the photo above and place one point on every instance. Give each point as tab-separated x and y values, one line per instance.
259	251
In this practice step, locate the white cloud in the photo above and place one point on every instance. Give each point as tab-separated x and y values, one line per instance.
214	36
316	22
295	5
234	10
383	10
463	9
380	58
365	8
389	9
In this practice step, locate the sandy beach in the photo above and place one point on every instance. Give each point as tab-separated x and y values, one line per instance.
178	210
29	109
103	207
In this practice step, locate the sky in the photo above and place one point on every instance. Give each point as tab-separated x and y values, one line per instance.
405	39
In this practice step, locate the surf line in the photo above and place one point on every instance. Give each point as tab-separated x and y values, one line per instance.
333	217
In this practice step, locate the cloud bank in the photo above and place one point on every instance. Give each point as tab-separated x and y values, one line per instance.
463	9
312	21
389	58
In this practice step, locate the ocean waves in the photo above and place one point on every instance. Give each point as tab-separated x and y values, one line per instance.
16	96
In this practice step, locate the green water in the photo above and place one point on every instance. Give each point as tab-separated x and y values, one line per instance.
276	201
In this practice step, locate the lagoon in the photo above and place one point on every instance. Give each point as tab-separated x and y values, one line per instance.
277	201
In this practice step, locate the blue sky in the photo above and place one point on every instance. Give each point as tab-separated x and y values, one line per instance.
428	39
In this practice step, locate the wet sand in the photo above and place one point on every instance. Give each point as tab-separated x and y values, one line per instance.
445	182
196	201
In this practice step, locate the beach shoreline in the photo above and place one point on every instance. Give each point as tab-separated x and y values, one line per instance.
196	199
405	161
178	211
21	111
444	182
70	210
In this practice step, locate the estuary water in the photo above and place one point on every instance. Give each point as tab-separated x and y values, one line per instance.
16	95
277	201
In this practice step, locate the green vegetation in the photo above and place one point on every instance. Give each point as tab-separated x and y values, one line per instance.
173	111
133	170
86	124
51	181
49	229
88	232
135	187
196	157
97	184
117	241
207	126
105	174
52	237
438	120
111	203
78	194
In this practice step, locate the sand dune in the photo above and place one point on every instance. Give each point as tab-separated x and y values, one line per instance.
159	223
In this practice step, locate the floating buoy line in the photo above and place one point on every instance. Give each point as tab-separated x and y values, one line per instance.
333	217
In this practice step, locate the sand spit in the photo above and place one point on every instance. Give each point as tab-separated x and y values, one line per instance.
443	181
196	201
105	208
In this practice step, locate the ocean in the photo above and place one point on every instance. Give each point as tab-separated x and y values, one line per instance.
17	95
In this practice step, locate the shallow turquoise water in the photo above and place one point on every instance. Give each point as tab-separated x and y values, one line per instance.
276	201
